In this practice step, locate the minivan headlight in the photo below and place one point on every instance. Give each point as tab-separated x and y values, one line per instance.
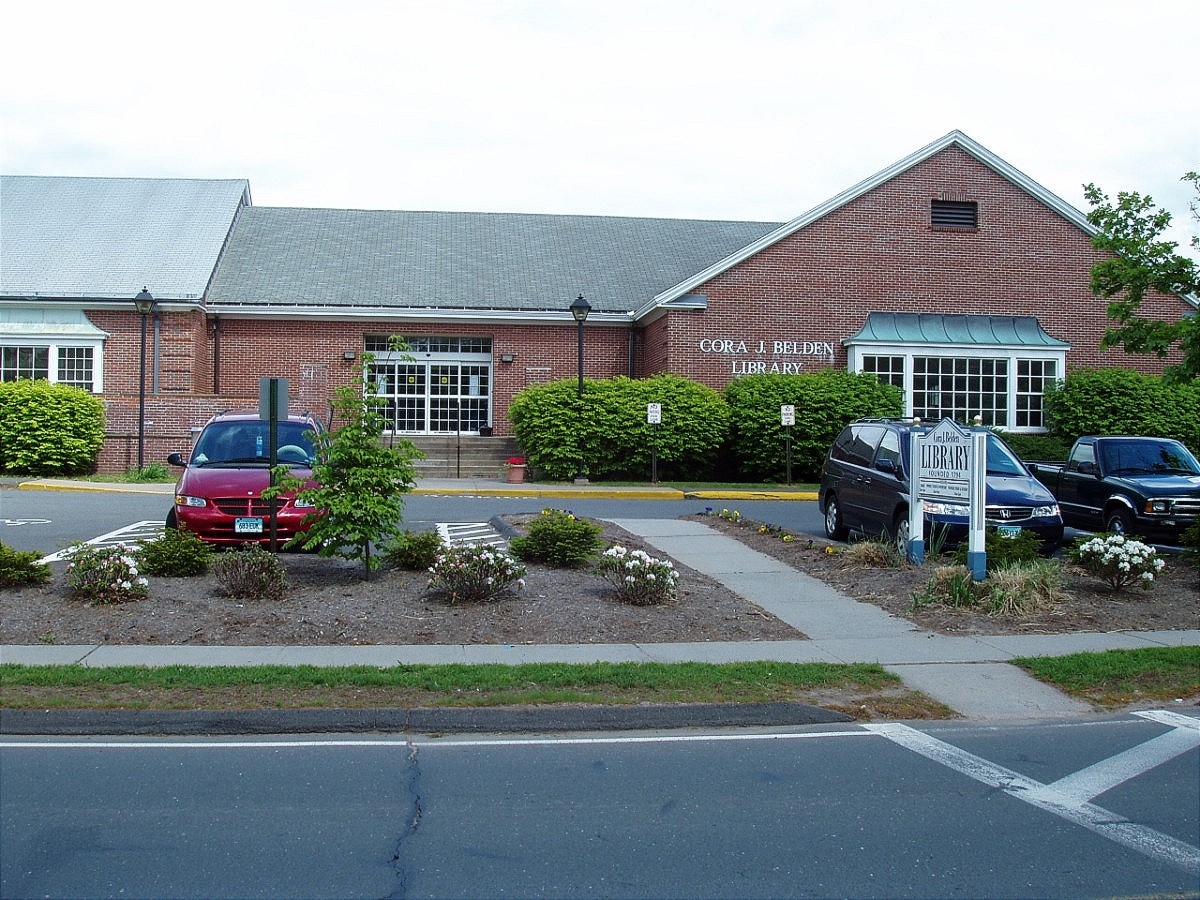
303	504
1046	512
185	500
937	508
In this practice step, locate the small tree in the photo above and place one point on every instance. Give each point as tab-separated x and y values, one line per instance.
1132	230
361	481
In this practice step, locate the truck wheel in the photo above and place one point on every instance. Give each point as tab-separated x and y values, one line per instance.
1118	521
834	526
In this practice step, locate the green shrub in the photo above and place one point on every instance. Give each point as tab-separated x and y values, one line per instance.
153	473
1120	401
608	433
177	554
637	577
825	401
21	567
416	550
1117	560
1037	447
48	429
474	573
1190	541
253	574
105	574
1005	550
948	586
558	538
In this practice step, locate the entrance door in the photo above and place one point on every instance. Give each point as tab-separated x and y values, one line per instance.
441	394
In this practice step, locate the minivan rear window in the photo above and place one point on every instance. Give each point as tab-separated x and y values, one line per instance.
857	444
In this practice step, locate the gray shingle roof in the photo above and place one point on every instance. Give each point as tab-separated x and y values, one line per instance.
106	238
455	260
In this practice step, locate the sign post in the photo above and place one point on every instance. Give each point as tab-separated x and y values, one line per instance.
787	418
654	419
976	537
272	405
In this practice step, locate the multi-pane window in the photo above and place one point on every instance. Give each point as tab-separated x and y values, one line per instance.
1033	376
888	369
74	366
960	389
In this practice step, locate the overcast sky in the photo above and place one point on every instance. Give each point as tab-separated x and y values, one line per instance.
712	109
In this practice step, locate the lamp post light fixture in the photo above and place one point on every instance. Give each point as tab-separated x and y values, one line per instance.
144	303
579	311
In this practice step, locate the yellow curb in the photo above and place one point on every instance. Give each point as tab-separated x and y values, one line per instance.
753	495
98	487
559	493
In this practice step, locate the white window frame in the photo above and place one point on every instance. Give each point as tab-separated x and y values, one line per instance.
856	352
55	346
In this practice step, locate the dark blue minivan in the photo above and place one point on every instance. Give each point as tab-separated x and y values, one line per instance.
864	488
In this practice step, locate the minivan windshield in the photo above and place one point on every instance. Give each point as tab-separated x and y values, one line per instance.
1000	460
248	441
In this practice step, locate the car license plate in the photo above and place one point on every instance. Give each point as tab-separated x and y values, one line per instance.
1008	530
248	526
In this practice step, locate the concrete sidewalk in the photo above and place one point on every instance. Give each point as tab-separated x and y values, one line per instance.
969	674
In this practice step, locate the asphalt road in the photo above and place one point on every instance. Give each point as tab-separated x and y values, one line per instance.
48	521
1098	808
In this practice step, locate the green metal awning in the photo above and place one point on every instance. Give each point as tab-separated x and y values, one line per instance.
959	330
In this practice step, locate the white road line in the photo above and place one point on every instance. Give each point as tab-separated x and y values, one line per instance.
218	744
1082	786
1107	824
1170	717
472	534
134	535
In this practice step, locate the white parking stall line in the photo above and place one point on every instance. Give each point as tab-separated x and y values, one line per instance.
469	534
131	535
1068	806
16	522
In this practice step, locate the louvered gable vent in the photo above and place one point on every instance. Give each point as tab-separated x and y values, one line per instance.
954	214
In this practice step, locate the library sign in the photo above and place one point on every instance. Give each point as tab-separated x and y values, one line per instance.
767	357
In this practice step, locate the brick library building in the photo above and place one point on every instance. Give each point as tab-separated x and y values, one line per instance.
951	274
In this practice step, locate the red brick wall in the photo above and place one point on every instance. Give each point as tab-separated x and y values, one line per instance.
309	353
879	253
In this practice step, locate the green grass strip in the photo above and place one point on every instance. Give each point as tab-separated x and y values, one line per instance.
1121	675
489	678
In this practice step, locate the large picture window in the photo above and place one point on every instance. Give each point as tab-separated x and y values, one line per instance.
956	366
74	366
962	387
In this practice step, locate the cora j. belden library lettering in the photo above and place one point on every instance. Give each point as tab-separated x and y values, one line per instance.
762	357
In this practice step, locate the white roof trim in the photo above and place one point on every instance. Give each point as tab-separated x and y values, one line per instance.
483	317
954	138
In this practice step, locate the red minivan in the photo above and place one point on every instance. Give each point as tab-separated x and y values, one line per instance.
219	495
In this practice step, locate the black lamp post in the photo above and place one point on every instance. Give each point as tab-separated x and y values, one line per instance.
144	302
579	311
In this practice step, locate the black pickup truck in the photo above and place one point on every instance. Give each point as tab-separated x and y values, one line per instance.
1146	486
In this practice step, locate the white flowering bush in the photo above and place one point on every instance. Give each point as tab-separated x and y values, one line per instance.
474	573
1119	561
107	574
638	577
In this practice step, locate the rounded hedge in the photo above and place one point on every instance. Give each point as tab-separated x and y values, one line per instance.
48	429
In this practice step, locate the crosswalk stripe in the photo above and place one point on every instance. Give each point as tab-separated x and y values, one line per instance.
470	534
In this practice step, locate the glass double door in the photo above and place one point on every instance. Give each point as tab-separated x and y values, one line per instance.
433	398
